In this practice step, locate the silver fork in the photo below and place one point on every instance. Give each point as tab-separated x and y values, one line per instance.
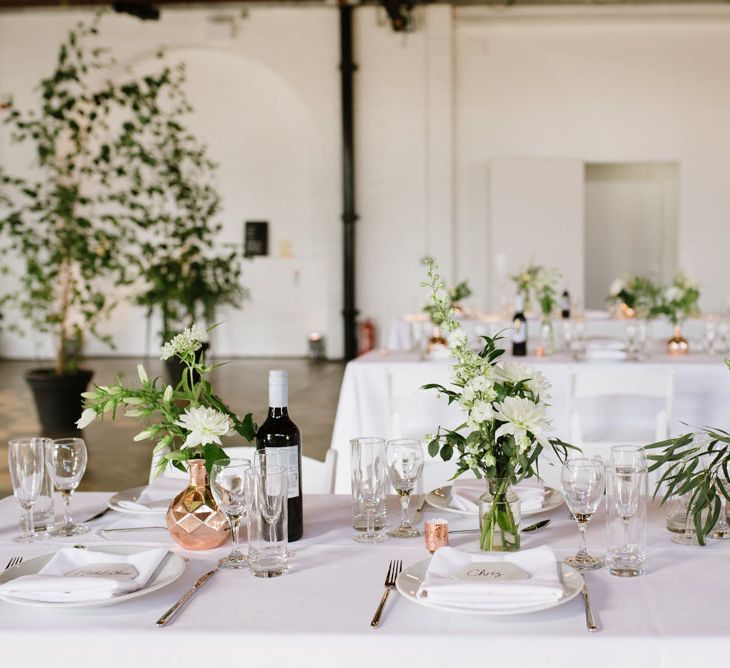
14	561
393	570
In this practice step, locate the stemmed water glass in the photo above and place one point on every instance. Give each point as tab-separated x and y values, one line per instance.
405	463
228	484
26	464
369	473
66	461
582	482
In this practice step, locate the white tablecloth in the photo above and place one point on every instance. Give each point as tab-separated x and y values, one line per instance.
318	614
702	397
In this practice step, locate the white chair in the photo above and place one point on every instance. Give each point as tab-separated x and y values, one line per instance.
317	477
414	412
614	404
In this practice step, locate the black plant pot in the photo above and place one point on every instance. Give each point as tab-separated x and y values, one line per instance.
58	399
175	367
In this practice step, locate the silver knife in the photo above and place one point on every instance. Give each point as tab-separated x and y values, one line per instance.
590	620
134	529
528	529
185	597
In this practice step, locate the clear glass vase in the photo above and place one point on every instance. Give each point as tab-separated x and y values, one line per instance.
547	336
499	517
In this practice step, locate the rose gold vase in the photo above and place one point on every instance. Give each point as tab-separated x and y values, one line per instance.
677	345
193	518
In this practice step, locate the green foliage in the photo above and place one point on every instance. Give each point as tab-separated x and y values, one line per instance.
120	191
697	464
161	407
456	294
679	301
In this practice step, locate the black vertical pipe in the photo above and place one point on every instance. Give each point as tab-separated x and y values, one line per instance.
349	216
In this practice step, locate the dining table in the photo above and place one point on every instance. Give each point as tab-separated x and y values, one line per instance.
318	613
373	382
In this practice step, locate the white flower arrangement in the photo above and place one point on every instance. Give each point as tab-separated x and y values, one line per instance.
187	421
679	301
505	402
540	283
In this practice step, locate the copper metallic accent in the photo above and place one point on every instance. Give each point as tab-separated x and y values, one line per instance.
437	534
627	312
677	345
193	518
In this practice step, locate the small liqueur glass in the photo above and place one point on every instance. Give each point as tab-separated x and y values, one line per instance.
405	464
583	482
228	485
26	462
66	460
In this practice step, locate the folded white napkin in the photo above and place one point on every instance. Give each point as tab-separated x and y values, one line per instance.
157	495
74	575
444	582
465	494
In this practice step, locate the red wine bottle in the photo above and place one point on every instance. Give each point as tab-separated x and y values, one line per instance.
565	305
281	440
519	329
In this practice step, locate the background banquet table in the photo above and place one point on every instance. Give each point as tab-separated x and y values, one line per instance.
701	396
404	333
318	614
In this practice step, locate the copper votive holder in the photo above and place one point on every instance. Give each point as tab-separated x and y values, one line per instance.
437	534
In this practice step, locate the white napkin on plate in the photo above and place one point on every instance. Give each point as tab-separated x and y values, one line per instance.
157	495
55	583
465	494
440	584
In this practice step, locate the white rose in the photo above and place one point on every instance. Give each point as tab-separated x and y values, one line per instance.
616	287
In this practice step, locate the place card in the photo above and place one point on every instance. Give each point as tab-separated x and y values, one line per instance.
121	571
492	571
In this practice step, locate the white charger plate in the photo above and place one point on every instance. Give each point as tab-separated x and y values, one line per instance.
410	580
440	498
132	495
171	569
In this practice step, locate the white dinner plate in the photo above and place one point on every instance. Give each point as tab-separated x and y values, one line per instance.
440	498
171	569
132	495
410	579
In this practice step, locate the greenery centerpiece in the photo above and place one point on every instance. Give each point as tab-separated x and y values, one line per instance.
74	220
506	426
541	284
186	421
634	296
695	465
678	302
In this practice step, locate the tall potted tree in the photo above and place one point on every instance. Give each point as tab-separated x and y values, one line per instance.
69	220
187	274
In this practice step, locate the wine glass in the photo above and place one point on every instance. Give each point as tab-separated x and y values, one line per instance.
228	485
582	482
369	474
26	463
67	463
405	463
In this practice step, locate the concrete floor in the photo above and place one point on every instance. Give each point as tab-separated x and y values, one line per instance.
116	462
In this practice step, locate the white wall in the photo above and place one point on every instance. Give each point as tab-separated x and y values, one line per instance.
266	103
434	109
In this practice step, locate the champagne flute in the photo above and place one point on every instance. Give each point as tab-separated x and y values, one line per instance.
228	485
67	463
26	464
628	465
405	463
582	482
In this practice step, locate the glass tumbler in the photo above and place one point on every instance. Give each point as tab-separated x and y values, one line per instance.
359	448
627	489
43	509
267	493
